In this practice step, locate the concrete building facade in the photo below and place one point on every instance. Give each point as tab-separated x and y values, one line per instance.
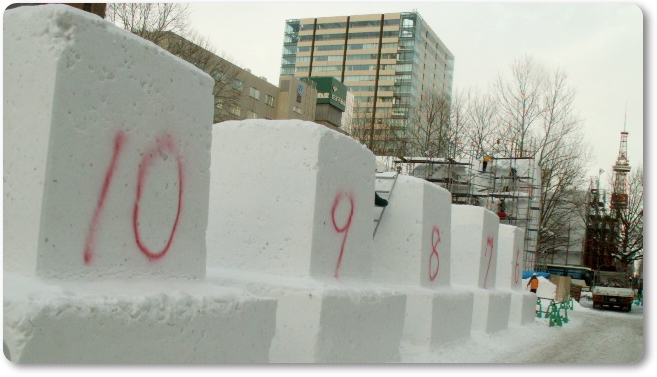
388	61
239	94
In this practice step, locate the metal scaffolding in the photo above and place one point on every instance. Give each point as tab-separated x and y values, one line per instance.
508	186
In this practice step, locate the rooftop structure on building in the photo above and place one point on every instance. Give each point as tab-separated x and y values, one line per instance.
389	62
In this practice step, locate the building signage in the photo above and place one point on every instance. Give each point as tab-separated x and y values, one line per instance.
330	90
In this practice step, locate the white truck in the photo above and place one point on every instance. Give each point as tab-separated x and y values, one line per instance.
612	289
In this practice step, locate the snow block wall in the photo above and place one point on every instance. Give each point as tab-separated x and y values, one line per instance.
510	265
106	157
106	175
474	262
292	198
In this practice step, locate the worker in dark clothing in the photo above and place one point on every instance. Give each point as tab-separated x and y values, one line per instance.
533	283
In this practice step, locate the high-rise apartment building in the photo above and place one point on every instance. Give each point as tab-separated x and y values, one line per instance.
389	62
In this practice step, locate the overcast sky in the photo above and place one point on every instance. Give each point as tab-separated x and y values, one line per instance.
599	45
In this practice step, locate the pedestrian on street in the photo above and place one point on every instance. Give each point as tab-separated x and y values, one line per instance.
533	282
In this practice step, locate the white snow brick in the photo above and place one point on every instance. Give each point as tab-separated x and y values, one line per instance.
163	321
106	150
474	261
326	320
413	244
413	241
510	265
474	240
290	197
510	261
491	310
437	316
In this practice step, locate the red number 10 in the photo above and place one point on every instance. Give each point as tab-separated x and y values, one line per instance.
164	144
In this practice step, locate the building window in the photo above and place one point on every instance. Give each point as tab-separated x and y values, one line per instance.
296	109
251	115
236	110
269	100
254	93
237	84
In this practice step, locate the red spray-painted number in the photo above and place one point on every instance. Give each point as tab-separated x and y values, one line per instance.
342	229
164	144
90	243
435	240
488	253
517	268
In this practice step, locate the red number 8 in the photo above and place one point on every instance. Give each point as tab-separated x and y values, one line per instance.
435	240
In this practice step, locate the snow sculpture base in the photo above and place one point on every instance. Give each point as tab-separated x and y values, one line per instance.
437	316
326	321
523	308
491	310
134	322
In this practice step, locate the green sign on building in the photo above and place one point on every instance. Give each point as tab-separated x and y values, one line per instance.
330	90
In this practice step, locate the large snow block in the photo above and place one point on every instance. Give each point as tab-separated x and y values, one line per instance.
134	322
291	198
106	150
326	321
491	310
523	308
510	261
413	240
474	246
437	316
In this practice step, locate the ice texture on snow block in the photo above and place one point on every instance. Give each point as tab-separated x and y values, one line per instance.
413	241
106	150
290	197
161	321
510	261
474	246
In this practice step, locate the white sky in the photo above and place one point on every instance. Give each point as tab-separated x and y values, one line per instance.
599	45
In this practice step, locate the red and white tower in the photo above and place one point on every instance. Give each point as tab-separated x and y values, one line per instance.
621	169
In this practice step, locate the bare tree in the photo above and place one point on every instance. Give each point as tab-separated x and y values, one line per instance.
198	51
383	136
428	133
482	132
520	104
562	157
150	21
630	222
